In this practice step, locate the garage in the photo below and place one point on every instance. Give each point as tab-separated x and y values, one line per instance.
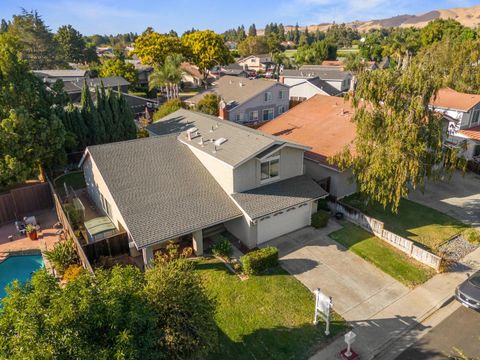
283	222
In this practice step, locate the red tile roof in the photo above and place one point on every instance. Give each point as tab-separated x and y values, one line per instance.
472	133
451	99
322	123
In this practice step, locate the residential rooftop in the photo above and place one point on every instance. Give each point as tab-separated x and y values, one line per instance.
324	86
450	99
323	72
160	178
241	142
60	73
323	123
235	90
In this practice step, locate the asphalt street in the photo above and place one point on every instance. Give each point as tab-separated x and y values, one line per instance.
460	330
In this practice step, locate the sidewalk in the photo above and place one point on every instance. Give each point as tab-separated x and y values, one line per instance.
389	324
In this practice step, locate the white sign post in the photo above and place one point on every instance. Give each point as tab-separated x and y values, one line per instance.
323	307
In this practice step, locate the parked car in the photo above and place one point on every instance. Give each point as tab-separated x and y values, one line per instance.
468	292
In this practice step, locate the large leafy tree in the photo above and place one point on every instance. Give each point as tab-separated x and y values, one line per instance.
152	48
439	29
38	46
316	53
399	139
118	67
253	45
120	313
71	43
31	133
402	45
206	49
167	76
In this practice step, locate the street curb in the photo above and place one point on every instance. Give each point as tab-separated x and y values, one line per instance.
380	350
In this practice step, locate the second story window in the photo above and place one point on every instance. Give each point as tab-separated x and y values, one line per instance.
475	117
280	95
253	115
269	169
268	96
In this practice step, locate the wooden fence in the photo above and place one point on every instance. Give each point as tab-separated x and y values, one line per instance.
112	246
23	201
376	227
67	228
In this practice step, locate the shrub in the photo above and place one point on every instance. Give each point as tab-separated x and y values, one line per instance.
73	215
72	272
472	235
209	104
261	260
63	255
172	252
320	219
323	205
167	108
222	247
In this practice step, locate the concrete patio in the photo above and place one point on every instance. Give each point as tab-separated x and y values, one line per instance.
359	290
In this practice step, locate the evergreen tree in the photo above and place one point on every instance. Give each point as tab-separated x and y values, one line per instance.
105	112
118	129
296	34
252	30
281	32
89	115
127	116
4	26
102	136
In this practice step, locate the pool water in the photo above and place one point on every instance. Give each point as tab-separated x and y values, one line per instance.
18	267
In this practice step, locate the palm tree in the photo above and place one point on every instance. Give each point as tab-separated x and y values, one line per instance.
168	76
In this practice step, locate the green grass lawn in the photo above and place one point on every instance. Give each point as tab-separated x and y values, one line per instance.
290	52
414	221
75	180
376	251
265	317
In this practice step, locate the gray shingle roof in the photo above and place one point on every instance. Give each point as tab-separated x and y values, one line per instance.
161	189
274	197
236	90
242	142
324	73
60	73
324	86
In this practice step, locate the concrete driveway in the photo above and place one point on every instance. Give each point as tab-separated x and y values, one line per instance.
359	290
459	197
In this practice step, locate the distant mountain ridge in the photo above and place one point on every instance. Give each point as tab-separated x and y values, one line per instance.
467	16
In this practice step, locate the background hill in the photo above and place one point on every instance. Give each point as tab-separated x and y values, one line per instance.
469	16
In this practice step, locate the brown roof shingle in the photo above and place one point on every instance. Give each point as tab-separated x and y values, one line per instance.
451	99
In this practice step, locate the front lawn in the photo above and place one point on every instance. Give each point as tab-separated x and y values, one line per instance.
265	317
74	180
384	256
413	221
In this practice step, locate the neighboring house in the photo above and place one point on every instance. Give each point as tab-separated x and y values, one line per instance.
247	101
233	70
201	175
143	71
231	44
74	88
333	75
256	62
461	113
309	87
192	77
51	76
324	124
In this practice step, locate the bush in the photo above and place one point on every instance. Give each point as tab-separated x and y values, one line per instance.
472	235
320	219
72	272
209	104
222	247
73	215
167	108
63	255
323	205
261	260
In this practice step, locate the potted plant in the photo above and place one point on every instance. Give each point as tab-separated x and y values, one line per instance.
31	232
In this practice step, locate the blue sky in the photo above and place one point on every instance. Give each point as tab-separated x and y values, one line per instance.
115	16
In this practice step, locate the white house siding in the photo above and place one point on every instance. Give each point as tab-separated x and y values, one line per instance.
305	91
340	182
243	230
247	176
222	172
259	104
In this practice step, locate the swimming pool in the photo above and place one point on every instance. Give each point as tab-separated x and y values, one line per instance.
18	267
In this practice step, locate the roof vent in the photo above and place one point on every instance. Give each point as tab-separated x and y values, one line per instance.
220	141
201	141
241	84
190	132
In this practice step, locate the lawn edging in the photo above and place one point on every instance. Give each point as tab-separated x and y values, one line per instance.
376	227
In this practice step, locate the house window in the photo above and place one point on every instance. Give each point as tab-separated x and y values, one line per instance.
106	205
268	96
280	95
254	115
281	109
239	117
267	114
252	60
269	169
475	117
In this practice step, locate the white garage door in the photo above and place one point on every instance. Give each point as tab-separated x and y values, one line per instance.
283	222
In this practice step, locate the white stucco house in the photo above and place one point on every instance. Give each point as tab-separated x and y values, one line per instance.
197	172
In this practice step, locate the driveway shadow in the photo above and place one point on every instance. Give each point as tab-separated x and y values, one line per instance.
298	266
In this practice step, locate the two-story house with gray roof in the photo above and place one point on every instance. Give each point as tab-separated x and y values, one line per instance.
198	172
247	101
333	75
